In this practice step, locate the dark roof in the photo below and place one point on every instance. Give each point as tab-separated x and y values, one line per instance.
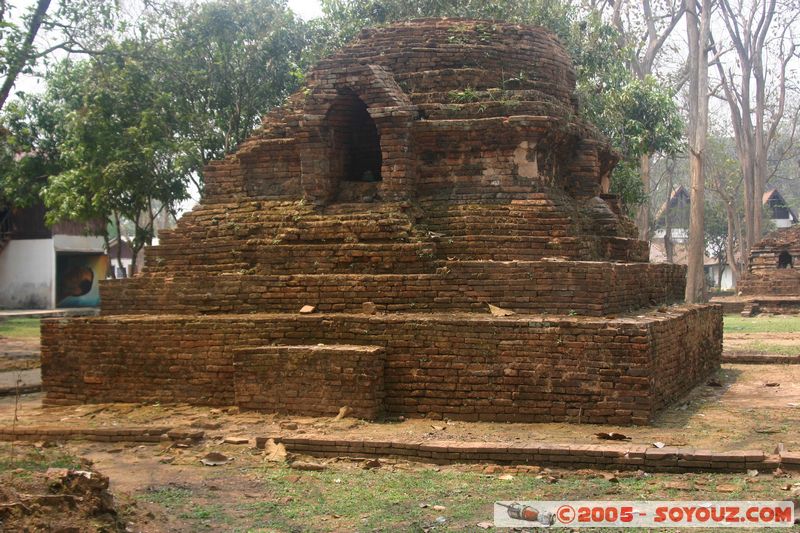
678	195
775	196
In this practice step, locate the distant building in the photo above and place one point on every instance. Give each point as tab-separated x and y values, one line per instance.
778	210
46	268
677	209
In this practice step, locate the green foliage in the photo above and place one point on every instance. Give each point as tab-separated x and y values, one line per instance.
628	185
466	95
120	151
639	116
170	497
230	61
32	127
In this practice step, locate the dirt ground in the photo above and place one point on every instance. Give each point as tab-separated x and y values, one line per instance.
161	488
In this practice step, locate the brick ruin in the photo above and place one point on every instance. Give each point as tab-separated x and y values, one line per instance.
772	280
427	170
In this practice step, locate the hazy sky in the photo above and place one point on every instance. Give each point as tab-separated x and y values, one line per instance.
307	9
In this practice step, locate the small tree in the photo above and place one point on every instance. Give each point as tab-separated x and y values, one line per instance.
122	157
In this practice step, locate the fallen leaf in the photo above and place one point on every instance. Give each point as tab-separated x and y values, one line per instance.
612	436
423	506
752	473
506	477
485	525
772	384
499	311
439	508
438	428
727	488
215	459
611	477
306	309
236	440
713	383
371	463
659	444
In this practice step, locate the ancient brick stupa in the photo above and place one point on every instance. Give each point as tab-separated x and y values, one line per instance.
432	197
771	283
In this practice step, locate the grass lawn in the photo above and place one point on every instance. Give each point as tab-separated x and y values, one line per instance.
761	324
771	348
19	328
26	459
449	499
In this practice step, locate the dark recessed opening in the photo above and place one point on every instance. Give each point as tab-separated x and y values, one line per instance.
785	260
356	146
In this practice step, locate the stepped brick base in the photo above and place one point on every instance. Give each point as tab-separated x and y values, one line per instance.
311	380
468	367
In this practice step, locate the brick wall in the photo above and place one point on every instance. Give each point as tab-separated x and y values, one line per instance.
567	287
471	368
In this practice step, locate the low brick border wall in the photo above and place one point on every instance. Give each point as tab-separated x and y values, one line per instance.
116	434
599	456
754	359
617	457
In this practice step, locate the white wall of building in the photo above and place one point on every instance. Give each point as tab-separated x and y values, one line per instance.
78	243
678	234
27	274
782	222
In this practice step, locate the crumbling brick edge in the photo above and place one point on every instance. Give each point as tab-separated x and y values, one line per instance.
607	457
116	434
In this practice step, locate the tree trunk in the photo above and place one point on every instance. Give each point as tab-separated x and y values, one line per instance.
698	29
730	214
643	214
119	242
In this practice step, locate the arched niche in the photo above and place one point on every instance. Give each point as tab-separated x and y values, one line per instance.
785	260
354	146
355	135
